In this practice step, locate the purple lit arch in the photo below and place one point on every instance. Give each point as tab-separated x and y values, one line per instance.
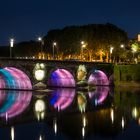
61	78
98	78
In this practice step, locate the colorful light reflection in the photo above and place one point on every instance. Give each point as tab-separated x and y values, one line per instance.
62	98
12	78
99	95
13	103
61	78
98	78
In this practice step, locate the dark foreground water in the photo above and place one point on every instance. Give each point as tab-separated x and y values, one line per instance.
64	114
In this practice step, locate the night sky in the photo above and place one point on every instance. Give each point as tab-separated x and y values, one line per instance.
27	19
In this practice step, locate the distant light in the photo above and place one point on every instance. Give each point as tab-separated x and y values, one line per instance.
12	133
39	39
84	121
134	112
54	43
11	42
122	122
55	125
112	115
40	137
111	49
82	42
83	132
122	45
139	37
39	106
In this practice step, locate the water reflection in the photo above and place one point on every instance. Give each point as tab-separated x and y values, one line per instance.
82	102
40	109
13	103
99	95
62	98
70	114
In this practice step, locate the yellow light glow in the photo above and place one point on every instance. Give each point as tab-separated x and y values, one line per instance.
112	115
39	106
39	75
111	49
54	43
84	121
134	112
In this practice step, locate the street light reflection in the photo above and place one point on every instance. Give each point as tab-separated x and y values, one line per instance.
12	133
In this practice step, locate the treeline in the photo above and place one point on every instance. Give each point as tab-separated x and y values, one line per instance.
97	37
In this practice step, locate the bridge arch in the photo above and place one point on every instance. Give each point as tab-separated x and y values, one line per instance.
13	78
61	78
98	78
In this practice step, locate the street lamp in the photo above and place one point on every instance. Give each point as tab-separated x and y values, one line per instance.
134	51
40	40
41	43
83	45
111	50
54	45
11	46
122	45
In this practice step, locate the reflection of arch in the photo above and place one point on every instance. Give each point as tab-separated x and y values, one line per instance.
99	95
14	103
98	77
12	78
62	98
61	78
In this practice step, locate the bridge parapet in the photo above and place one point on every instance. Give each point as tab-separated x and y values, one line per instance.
78	70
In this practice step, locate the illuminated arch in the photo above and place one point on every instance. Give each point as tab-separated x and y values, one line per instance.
99	95
12	78
62	98
61	78
98	77
14	103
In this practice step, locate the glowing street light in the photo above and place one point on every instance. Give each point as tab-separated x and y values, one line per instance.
11	46
41	43
54	45
111	51
83	45
122	45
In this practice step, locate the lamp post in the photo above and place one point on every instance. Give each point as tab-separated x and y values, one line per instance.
11	46
41	45
111	50
54	45
83	45
134	51
40	40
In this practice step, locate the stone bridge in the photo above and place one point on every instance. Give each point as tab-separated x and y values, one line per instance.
27	73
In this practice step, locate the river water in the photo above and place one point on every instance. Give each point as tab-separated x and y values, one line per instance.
67	114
